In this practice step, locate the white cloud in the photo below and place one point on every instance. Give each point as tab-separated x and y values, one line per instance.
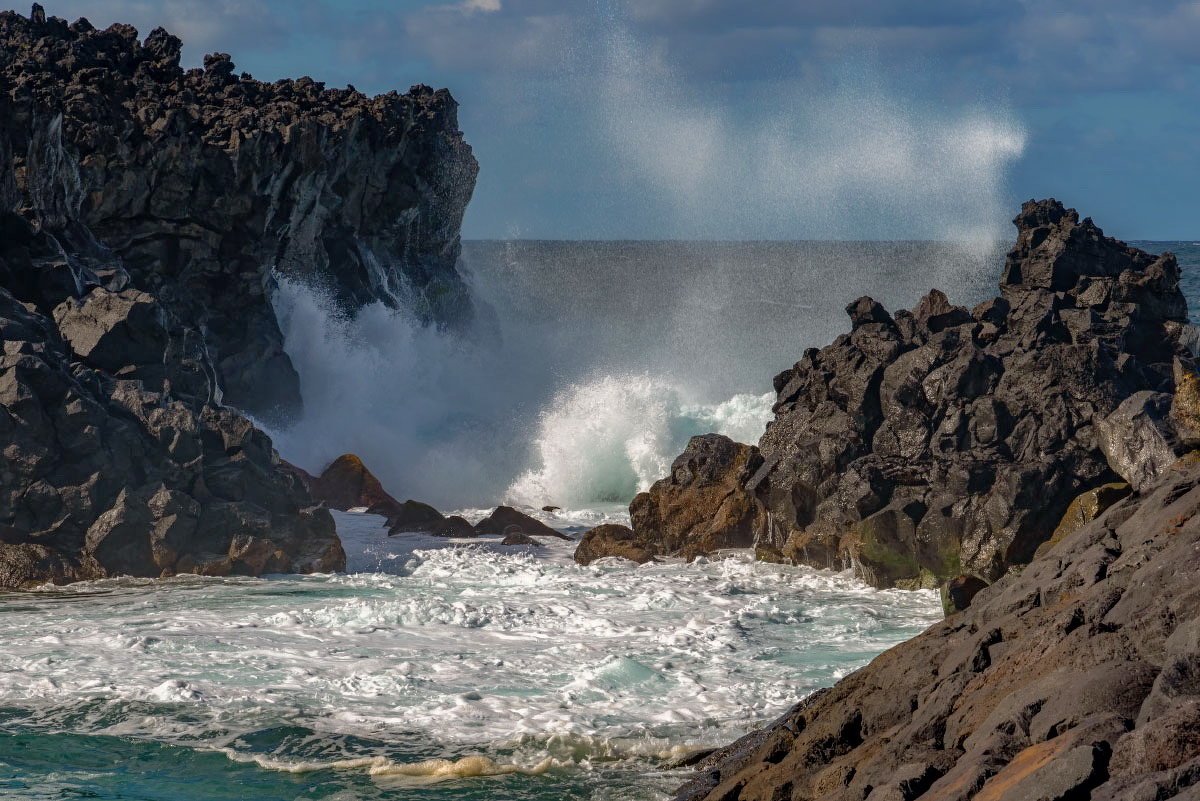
481	5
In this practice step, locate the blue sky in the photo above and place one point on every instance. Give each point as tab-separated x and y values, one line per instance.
763	119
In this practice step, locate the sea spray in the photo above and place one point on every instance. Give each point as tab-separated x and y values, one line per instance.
469	667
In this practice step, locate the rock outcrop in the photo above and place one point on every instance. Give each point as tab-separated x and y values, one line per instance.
116	460
347	484
611	539
703	505
204	186
1076	678
942	442
504	517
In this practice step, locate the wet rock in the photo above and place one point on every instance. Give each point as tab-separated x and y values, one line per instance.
1138	438
452	526
1075	677
347	484
937	443
513	535
702	506
499	521
206	187
413	516
611	539
106	474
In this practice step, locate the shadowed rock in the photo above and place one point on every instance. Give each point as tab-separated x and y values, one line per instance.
1076	678
937	443
205	186
503	517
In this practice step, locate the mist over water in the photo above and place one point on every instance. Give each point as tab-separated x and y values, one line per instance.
592	363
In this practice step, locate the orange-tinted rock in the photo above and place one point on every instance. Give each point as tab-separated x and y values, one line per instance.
348	484
613	540
703	506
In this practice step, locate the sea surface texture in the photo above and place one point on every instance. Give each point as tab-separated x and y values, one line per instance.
464	669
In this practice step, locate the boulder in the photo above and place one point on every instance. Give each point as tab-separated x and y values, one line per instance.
347	484
452	526
413	516
922	446
611	539
499	521
513	535
1138	438
703	505
1084	509
1074	677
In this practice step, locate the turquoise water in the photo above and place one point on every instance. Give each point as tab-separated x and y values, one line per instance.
467	672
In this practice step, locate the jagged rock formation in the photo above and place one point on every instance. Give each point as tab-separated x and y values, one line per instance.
200	183
942	442
1076	678
116	459
347	484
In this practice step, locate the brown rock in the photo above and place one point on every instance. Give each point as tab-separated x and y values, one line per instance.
348	484
614	540
513	535
703	505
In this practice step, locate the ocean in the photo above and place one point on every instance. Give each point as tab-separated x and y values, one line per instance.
464	669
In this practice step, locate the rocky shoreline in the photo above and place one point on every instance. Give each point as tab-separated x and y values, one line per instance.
944	444
145	213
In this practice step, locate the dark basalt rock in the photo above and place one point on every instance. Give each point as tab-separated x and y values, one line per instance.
204	186
116	460
499	521
1076	678
452	526
513	535
937	443
347	484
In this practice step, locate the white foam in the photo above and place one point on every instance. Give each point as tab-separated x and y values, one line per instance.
512	656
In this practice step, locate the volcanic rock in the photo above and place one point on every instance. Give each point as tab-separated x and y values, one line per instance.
1074	678
452	526
504	516
703	505
348	484
207	188
105	475
611	539
937	443
513	535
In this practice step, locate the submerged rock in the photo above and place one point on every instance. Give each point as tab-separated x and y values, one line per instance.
1074	678
937	443
205	186
499	521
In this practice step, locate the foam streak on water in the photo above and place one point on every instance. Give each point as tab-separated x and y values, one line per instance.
460	672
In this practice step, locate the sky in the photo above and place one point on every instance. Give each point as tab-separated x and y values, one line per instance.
762	119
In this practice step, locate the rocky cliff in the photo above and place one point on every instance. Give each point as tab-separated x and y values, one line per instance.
117	459
145	212
203	184
1078	678
944	442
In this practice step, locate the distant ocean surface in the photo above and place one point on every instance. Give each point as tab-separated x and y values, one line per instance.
466	670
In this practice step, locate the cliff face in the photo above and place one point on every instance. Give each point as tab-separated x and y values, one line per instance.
941	442
116	459
200	183
1079	678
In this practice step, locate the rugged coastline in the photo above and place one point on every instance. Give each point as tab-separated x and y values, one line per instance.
944	444
145	212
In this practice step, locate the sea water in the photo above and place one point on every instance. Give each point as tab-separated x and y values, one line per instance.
464	669
432	670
